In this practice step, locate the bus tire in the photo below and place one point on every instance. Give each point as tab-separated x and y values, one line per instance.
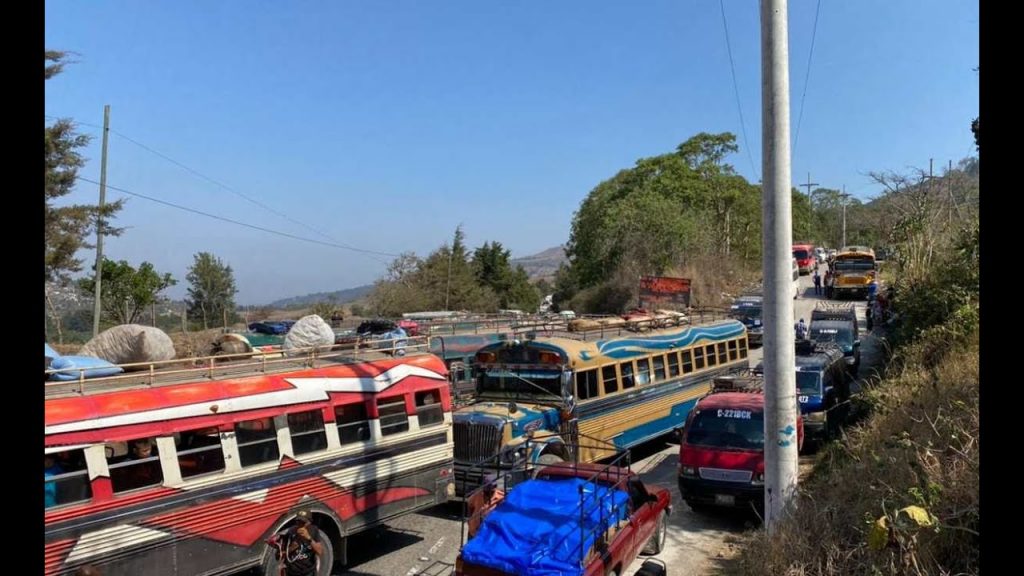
325	564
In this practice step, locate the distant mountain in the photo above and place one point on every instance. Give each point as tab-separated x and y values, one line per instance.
543	264
338	296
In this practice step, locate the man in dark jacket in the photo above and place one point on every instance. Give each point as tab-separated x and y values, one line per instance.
299	550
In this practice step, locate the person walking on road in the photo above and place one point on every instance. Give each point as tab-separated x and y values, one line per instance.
801	330
817	283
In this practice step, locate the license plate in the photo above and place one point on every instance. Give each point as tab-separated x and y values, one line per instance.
725	499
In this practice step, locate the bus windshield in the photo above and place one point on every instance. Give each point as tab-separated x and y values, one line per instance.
509	379
722	428
801	254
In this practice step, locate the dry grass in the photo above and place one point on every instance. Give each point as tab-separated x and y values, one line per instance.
919	448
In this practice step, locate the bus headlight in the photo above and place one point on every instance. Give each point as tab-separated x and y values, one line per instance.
687	471
759	479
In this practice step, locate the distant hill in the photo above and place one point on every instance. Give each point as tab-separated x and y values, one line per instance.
338	296
543	264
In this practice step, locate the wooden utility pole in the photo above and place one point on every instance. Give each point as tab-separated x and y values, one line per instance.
808	185
97	307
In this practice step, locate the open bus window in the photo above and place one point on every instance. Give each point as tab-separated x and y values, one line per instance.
257	441
659	368
428	408
722	356
199	452
586	384
393	419
627	375
743	347
709	355
134	464
353	423
733	354
673	364
698	357
66	477
307	431
611	380
688	361
643	371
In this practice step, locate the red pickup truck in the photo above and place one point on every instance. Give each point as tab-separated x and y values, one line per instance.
571	519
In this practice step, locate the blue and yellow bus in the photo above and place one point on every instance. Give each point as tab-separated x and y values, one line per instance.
580	395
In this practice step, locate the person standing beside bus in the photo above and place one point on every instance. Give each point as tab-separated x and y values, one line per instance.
300	551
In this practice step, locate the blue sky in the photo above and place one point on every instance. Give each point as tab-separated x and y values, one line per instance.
385	124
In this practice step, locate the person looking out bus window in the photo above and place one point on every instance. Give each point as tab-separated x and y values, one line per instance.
51	468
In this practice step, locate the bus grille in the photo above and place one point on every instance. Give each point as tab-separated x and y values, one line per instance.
476	442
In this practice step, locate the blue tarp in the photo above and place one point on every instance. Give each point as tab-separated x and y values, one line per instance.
94	367
535	531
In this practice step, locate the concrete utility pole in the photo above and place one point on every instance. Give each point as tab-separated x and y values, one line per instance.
780	446
808	185
99	225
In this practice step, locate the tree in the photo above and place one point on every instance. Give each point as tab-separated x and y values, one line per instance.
66	228
976	129
127	291
211	295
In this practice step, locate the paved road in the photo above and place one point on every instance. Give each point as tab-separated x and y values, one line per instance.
428	543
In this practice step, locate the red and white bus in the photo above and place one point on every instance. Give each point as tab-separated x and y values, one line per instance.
188	471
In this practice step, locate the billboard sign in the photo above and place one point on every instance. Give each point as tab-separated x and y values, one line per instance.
664	290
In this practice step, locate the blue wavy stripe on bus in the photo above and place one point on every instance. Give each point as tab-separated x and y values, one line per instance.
625	348
655	428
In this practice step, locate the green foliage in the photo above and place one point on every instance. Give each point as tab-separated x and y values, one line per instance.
127	292
66	228
358	310
679	211
211	295
325	310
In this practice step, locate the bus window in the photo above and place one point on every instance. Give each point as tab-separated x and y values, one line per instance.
627	375
722	356
393	419
134	464
353	423
586	384
257	441
199	452
709	354
643	371
428	408
66	477
307	431
687	361
698	357
611	380
659	368
743	347
733	354
673	364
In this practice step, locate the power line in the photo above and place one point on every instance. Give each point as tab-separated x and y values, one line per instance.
236	222
736	89
211	180
807	77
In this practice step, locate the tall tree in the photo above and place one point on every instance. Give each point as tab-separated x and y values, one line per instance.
127	291
211	295
67	228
